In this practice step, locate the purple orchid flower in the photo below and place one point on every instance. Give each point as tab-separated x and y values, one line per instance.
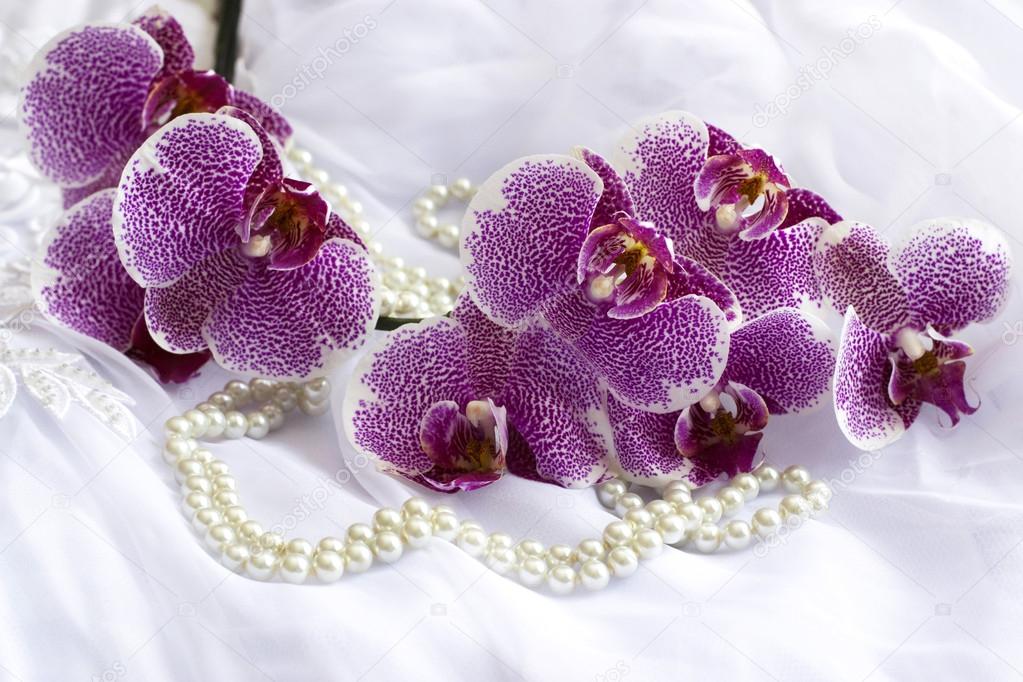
730	209
555	240
454	403
780	363
79	282
96	92
901	307
236	258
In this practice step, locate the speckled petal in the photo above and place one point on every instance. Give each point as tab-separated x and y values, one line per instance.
954	272
786	356
392	387
554	402
766	220
615	197
82	105
176	314
265	178
522	233
168	34
271	121
659	162
776	271
851	261
170	367
690	277
805	204
78	280
181	197
297	323
644	442
662	361
865	415
489	347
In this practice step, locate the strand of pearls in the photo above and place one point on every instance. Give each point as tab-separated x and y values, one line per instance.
211	502
683	520
436	197
407	291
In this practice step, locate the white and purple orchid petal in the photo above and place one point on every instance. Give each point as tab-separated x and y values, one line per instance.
954	272
763	222
947	348
615	198
691	278
644	443
265	180
182	195
176	314
415	367
865	413
78	280
489	347
787	356
270	120
554	403
776	271
851	261
722	440
187	92
107	179
168	34
300	322
659	162
176	368
522	233
804	204
660	362
719	180
81	109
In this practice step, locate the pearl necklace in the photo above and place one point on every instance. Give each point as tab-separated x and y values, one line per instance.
211	502
406	292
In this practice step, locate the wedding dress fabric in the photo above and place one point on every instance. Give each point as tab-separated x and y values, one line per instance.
895	110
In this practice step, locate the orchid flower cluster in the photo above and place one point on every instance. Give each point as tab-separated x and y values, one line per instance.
642	315
182	237
645	316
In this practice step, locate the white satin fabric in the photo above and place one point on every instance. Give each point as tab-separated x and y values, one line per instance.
915	574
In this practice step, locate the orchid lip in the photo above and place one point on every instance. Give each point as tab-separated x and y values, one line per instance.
286	224
930	368
187	92
467	448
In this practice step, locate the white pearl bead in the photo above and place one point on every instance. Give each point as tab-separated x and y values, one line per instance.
204	518
561	579
672	528
250	531
285	399
677	496
225	498
529	547
217	422
445	526
608	492
274	416
737	534
186	468
328	565
501	560
217	468
199	421
271	541
461	188
316	390
818	488
532	571
594	575
417	532
295	568
795	479
235	425
627	502
220	534
195	501
258	425
177	447
731	500
438	193
793	507
766	522
234	556
622	561
818	502
222	401
388	547
202	455
415	506
707	538
262	565
197	484
312	409
177	426
330	544
299	546
748	485
224	482
768	477
500	541
359	532
235	515
239	390
692	515
648	543
639	518
472	541
387	519
712	509
590	549
560	554
447	235
424	205
659	508
426	225
358	557
262	389
618	533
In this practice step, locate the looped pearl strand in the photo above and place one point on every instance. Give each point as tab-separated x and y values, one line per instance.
211	502
436	197
406	291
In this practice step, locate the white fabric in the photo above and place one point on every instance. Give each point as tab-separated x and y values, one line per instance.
917	571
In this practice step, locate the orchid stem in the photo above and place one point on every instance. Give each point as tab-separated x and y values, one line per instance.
226	49
389	324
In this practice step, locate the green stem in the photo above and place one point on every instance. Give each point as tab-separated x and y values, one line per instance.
226	50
